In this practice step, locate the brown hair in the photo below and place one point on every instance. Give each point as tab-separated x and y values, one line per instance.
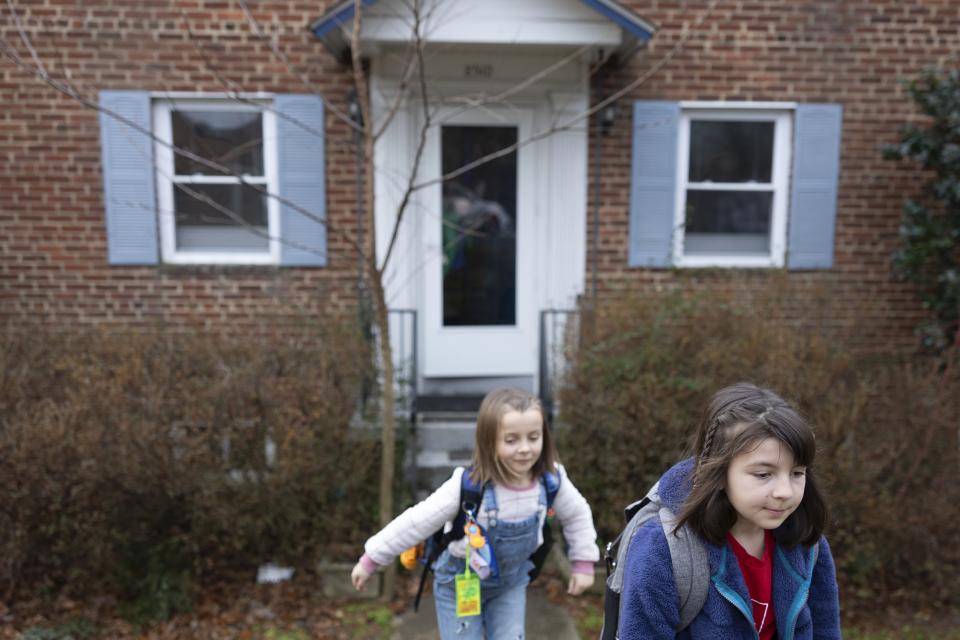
737	419
486	465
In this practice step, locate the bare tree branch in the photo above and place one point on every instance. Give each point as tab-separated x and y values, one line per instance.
412	60
471	103
65	88
253	229
398	99
280	55
235	92
397	286
568	124
26	39
421	145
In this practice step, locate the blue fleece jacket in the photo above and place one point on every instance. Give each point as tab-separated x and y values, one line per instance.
805	599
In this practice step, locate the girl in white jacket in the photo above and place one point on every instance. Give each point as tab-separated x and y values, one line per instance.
512	455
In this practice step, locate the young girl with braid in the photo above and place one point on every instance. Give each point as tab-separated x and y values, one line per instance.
750	496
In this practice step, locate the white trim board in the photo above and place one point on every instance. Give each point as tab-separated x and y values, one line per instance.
166	178
559	189
782	118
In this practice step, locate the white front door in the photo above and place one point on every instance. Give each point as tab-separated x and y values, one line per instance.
479	307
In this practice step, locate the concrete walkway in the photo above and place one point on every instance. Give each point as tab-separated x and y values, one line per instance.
545	621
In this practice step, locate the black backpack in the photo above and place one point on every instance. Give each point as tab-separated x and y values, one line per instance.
471	495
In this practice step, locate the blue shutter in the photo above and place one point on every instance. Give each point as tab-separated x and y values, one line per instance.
813	197
128	181
653	183
300	150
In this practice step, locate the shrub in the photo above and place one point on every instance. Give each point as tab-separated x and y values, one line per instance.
888	450
930	229
139	461
895	496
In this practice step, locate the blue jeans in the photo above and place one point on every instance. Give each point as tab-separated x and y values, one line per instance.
502	613
503	598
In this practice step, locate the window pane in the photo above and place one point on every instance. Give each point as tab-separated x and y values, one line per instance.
202	227
730	151
727	222
230	138
479	228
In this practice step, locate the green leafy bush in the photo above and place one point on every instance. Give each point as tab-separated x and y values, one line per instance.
139	461
887	430
930	232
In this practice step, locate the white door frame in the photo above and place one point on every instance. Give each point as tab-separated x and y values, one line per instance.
499	350
557	185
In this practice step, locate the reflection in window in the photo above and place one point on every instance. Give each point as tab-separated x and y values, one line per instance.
729	194
203	225
728	222
233	139
730	151
479	227
213	210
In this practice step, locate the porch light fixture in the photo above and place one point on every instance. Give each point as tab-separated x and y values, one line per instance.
607	118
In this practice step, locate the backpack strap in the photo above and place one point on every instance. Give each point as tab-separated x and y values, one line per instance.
551	485
691	565
637	514
471	492
551	482
814	556
471	495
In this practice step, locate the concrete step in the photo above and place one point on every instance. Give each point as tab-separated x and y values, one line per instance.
444	435
463	403
443	440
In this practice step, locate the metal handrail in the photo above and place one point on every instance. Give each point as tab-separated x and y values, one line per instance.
558	329
403	340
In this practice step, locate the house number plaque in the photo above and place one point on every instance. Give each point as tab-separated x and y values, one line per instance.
478	71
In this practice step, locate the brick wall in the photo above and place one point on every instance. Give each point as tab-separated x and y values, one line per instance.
53	265
854	53
52	238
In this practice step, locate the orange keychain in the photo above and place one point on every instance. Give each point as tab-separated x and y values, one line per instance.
472	530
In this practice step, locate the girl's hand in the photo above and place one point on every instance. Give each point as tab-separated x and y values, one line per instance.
579	582
359	577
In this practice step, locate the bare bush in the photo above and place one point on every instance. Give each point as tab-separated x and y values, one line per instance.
887	428
137	461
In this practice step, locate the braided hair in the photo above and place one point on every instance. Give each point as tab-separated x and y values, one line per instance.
737	419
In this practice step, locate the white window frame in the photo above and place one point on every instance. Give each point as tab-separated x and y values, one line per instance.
166	177
781	114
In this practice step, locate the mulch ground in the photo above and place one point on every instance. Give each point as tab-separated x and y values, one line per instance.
238	608
234	609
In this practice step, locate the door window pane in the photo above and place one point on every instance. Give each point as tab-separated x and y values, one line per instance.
732	151
479	227
201	226
727	222
230	138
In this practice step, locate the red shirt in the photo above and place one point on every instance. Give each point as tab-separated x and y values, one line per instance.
758	574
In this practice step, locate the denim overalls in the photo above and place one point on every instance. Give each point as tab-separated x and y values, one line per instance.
504	598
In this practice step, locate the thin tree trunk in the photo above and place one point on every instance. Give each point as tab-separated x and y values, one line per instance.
380	313
388	421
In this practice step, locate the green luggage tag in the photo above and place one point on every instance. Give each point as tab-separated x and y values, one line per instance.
468	591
